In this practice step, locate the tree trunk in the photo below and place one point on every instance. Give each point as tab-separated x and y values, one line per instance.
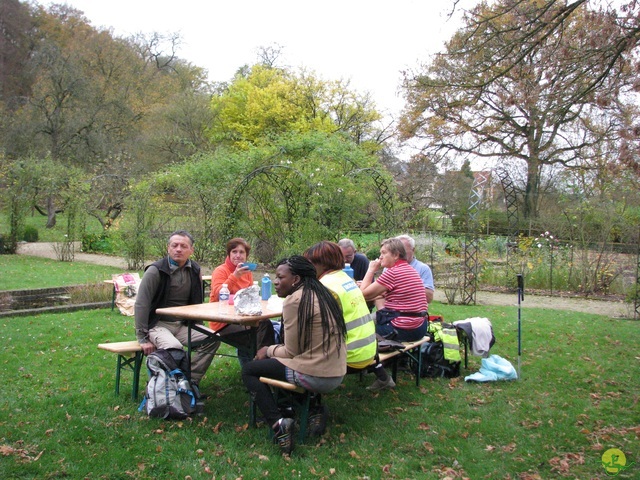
51	212
531	192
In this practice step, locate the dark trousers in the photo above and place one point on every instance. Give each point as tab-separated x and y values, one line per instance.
261	393
240	337
400	335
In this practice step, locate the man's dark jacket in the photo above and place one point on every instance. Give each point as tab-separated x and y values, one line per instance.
160	298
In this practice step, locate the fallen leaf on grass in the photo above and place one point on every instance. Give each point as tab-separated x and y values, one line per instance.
21	453
216	429
241	428
428	447
509	448
353	454
264	458
529	424
424	426
562	465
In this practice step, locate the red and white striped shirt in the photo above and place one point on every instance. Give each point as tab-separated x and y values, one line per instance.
405	293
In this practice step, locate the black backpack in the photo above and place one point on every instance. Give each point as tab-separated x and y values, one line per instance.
434	365
169	393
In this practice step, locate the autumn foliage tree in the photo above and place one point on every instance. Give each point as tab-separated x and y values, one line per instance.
114	107
537	83
263	102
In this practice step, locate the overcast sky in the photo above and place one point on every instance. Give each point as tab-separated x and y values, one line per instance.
368	42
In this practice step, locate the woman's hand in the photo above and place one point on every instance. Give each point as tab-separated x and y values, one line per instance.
240	270
374	265
262	353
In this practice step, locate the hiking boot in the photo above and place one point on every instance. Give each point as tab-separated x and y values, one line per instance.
382	385
317	422
283	435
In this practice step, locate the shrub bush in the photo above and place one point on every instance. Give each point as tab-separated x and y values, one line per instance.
30	234
97	243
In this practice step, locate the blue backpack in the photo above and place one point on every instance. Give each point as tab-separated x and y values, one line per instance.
169	394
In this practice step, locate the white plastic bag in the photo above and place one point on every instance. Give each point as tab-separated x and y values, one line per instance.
247	301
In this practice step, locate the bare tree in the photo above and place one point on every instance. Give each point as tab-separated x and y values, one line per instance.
525	81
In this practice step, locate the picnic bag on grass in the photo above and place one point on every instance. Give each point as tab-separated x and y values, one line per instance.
169	394
440	356
434	365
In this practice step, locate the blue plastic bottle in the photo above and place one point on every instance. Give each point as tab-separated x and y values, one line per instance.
266	287
348	270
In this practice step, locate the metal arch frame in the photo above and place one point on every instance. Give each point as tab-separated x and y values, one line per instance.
470	279
271	172
382	192
511	202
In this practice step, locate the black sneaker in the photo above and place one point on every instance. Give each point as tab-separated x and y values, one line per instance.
284	434
317	423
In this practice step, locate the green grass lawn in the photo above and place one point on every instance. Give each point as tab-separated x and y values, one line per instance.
578	396
24	272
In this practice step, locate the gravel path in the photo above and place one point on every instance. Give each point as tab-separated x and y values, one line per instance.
613	309
47	250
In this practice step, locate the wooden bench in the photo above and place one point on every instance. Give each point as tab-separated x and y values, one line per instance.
296	396
411	350
129	354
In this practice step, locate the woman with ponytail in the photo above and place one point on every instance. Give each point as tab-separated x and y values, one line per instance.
314	352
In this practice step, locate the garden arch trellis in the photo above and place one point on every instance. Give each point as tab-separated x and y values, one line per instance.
296	191
471	237
291	183
476	195
383	193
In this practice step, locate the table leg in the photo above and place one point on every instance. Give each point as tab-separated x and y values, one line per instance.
189	351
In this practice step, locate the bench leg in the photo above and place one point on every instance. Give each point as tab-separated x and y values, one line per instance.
252	411
135	364
119	363
136	375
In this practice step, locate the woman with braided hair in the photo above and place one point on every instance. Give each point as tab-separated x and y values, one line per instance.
314	352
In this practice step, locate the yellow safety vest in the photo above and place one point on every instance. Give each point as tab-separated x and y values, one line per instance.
361	325
447	334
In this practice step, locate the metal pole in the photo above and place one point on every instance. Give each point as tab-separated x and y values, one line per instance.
520	299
